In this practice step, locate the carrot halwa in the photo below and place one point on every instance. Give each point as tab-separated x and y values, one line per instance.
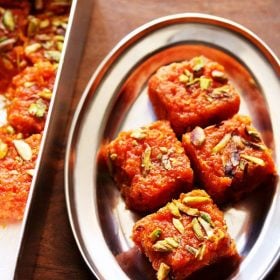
31	40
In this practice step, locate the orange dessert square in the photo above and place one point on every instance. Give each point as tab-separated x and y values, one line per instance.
193	93
149	166
230	158
184	236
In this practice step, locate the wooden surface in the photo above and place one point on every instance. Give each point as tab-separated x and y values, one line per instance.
57	256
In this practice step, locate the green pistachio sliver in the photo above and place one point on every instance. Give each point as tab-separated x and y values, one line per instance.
194	81
197	229
193	212
38	109
173	208
254	145
33	25
253	159
205	83
206	217
45	93
219	75
191	200
220	92
199	63
183	78
201	252
32	48
166	245
206	226
192	250
59	46
138	134
253	133
155	234
44	24
3	149
146	159
53	55
8	20
221	145
163	271
197	136
178	225
23	149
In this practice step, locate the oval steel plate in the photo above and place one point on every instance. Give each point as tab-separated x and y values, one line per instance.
116	99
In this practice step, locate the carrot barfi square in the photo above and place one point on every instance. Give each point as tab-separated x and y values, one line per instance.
193	93
230	159
184	236
149	166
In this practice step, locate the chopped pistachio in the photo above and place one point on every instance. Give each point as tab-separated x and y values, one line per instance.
138	134
237	140
191	200
197	136
33	25
192	250
219	75
8	20
253	159
10	129
205	216
3	149
205	83
183	78
166	162
220	92
243	164
221	145
23	149
178	225
155	234
53	55
45	93
194	81
166	245
44	23
113	156
146	159
59	46
255	145
38	109
206	226
198	63
197	229
5	42
163	271
173	208
201	252
253	133
187	210
32	48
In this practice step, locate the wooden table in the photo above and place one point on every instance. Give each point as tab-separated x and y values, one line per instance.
57	256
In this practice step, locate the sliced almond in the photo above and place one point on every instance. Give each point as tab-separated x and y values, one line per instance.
23	149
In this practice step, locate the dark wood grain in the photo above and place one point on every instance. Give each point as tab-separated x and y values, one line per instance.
57	256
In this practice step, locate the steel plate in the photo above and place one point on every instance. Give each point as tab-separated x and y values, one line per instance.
116	99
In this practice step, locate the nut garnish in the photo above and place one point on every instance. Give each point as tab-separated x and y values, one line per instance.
163	271
38	109
146	159
193	212
45	93
173	208
178	225
219	76
221	145
205	83
206	226
253	133
166	162
253	159
32	48
53	55
30	172
197	229
197	136
201	251
3	149
192	200
138	134
23	149
155	234
166	245
220	92
8	20
192	250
